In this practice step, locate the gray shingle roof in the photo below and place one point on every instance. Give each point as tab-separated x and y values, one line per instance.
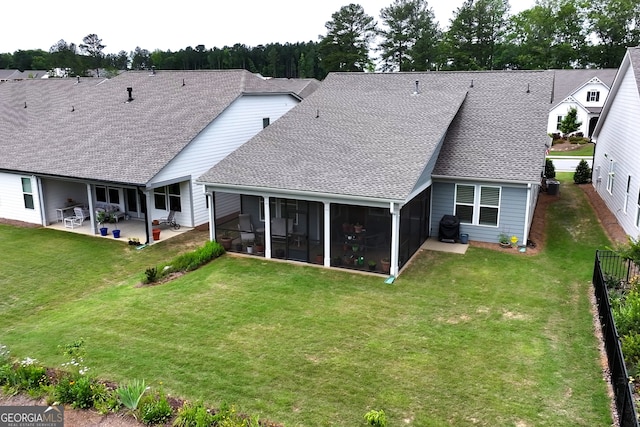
366	134
88	130
501	130
567	81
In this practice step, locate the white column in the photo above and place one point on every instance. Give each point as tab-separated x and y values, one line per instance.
267	228
327	234
212	215
395	238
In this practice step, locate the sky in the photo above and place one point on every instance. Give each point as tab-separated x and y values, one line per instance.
151	25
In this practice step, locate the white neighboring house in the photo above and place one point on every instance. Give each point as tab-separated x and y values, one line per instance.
585	90
135	142
616	166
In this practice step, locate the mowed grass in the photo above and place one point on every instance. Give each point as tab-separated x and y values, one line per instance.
582	150
490	338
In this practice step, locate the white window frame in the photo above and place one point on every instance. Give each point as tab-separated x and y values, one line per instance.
277	208
27	193
627	194
477	205
638	211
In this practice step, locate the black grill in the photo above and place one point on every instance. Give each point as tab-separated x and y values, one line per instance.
449	230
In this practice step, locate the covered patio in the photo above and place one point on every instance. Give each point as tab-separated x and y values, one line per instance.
129	229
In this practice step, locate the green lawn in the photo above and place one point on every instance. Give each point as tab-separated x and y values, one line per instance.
490	338
583	150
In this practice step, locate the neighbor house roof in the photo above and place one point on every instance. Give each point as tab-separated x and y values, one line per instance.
566	82
21	75
373	134
87	129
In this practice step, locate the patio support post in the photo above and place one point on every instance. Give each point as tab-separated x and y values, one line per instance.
212	215
327	234
92	211
267	228
148	194
395	237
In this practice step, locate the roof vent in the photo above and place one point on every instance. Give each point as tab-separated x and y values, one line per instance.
417	91
153	71
183	83
130	90
528	90
471	83
73	108
78	77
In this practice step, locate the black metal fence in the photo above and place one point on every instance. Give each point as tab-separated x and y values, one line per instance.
609	265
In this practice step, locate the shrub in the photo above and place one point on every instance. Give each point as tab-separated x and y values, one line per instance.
131	394
631	351
549	169
193	415
151	274
627	314
228	417
29	376
582	175
376	418
75	390
105	400
155	410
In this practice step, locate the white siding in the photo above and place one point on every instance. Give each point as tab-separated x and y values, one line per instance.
235	126
561	110
619	141
12	199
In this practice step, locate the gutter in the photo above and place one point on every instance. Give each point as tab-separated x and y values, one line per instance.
470	179
306	195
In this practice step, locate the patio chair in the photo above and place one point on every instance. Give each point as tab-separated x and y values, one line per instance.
170	220
245	226
281	228
81	213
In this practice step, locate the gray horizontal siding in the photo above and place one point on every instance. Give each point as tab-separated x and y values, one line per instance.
512	218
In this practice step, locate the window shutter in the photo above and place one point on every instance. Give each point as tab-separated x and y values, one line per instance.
597	96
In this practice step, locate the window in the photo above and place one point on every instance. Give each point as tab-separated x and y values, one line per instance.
265	122
638	211
27	193
281	208
627	194
479	205
559	122
489	205
593	96
611	176
108	195
170	193
465	196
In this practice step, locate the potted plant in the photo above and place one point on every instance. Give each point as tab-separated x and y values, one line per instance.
259	247
134	241
225	241
101	218
320	258
386	265
503	240
372	265
357	228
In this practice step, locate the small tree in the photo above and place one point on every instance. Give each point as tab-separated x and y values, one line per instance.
582	175
549	169
570	122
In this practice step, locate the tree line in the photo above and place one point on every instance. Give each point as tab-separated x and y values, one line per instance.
482	35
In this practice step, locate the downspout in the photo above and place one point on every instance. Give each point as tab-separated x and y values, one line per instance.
145	213
527	217
395	238
43	216
212	215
